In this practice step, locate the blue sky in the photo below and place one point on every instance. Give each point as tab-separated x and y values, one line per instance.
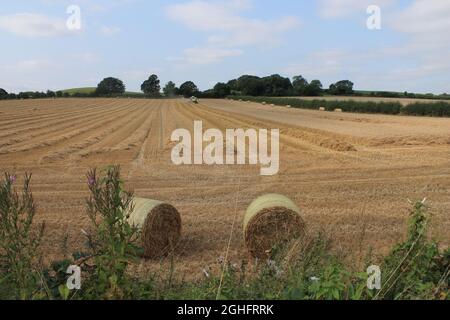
217	40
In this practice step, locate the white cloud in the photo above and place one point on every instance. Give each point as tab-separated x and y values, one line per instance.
228	30
33	25
345	8
428	18
206	55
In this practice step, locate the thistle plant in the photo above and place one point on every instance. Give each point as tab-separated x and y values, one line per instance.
19	241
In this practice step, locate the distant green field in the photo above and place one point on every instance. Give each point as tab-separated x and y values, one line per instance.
80	90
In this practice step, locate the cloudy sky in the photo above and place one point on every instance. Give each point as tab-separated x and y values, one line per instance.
208	41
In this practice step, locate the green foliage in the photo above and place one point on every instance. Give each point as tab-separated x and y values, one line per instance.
416	269
3	94
437	109
19	241
110	87
188	89
112	242
221	90
343	87
151	87
170	89
346	106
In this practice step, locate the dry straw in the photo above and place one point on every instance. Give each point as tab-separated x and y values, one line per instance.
270	221
338	110
160	226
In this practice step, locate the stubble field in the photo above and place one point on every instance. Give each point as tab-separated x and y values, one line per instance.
350	174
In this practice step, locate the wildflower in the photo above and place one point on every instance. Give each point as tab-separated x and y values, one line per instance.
315	279
91	181
12	178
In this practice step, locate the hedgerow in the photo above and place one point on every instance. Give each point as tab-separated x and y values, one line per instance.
437	109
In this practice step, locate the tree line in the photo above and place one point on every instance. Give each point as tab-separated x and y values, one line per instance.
246	85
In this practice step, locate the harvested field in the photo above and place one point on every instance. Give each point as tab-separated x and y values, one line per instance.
350	174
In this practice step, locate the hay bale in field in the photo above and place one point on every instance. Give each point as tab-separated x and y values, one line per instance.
322	109
288	106
338	110
264	103
271	220
160	226
272	105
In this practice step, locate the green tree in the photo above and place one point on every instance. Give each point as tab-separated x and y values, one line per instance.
277	86
3	94
251	85
51	94
300	85
170	89
151	86
110	86
188	89
221	90
314	88
59	94
343	87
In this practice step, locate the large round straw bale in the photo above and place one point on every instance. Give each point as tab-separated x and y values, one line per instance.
160	226
270	221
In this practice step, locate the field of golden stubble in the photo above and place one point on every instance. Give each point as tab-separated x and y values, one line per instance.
351	174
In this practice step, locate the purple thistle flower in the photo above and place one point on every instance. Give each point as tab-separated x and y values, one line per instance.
12	178
91	181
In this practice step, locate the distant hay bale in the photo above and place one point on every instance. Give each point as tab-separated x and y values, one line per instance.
322	109
160	226
288	106
271	220
272	105
264	103
338	110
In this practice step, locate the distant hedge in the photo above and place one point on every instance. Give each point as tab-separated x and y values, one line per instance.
438	109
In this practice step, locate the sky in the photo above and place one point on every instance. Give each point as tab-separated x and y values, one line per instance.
59	44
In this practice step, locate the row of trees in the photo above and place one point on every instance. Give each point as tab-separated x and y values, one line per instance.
150	87
278	86
4	95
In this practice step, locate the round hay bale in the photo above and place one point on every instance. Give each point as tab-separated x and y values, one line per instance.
160	226
288	106
270	221
338	110
322	109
